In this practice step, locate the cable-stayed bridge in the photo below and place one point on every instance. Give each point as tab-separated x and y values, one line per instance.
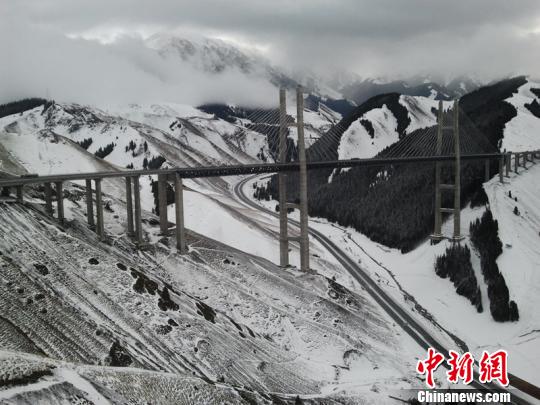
297	151
296	147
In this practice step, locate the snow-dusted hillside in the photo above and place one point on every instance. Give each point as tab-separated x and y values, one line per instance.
414	273
216	56
358	142
241	322
217	315
522	133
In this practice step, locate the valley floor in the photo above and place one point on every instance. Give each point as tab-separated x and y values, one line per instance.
411	280
230	322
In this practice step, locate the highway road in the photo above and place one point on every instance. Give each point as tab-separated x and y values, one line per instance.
399	314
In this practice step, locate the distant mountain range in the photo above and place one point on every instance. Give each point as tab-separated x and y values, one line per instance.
216	56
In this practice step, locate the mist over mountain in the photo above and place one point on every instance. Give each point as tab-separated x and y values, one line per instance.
184	69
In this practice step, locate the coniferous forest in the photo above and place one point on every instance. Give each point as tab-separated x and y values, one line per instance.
455	264
395	205
485	238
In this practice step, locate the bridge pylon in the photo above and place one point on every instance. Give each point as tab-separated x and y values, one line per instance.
456	186
282	183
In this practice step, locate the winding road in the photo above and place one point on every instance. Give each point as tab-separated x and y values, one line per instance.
400	315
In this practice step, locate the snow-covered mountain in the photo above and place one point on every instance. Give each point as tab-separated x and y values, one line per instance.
217	56
224	323
362	90
373	212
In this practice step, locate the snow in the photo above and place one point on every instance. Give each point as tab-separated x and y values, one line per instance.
308	332
420	111
356	142
279	303
522	133
47	154
519	265
213	218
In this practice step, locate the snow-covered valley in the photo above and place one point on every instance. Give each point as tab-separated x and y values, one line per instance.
225	318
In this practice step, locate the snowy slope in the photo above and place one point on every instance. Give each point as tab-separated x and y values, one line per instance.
522	133
356	142
421	111
240	320
45	143
412	276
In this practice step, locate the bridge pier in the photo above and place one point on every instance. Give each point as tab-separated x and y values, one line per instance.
129	208
282	183
516	162
437	232
138	217
486	171
304	236
508	163
48	199
162	204
501	169
60	202
179	208
89	204
100	228
19	194
457	177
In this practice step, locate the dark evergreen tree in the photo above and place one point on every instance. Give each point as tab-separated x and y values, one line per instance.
20	106
103	152
455	264
484	233
85	143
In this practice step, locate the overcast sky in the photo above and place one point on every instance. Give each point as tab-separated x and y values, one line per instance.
391	38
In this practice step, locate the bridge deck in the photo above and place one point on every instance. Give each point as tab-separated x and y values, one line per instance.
234	170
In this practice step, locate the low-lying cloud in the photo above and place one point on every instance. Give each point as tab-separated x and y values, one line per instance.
40	62
487	39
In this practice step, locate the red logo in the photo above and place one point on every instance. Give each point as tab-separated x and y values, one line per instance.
429	365
461	368
490	368
494	367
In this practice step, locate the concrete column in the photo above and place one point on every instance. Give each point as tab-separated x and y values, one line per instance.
501	169
48	198
437	232
486	171
100	228
60	201
162	204
457	189
137	204
304	235
129	208
282	183
89	204
179	208
19	193
516	162
508	163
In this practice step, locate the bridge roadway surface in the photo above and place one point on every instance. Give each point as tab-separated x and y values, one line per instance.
234	170
392	308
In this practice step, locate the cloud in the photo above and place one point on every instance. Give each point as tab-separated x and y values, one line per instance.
40	62
392	38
